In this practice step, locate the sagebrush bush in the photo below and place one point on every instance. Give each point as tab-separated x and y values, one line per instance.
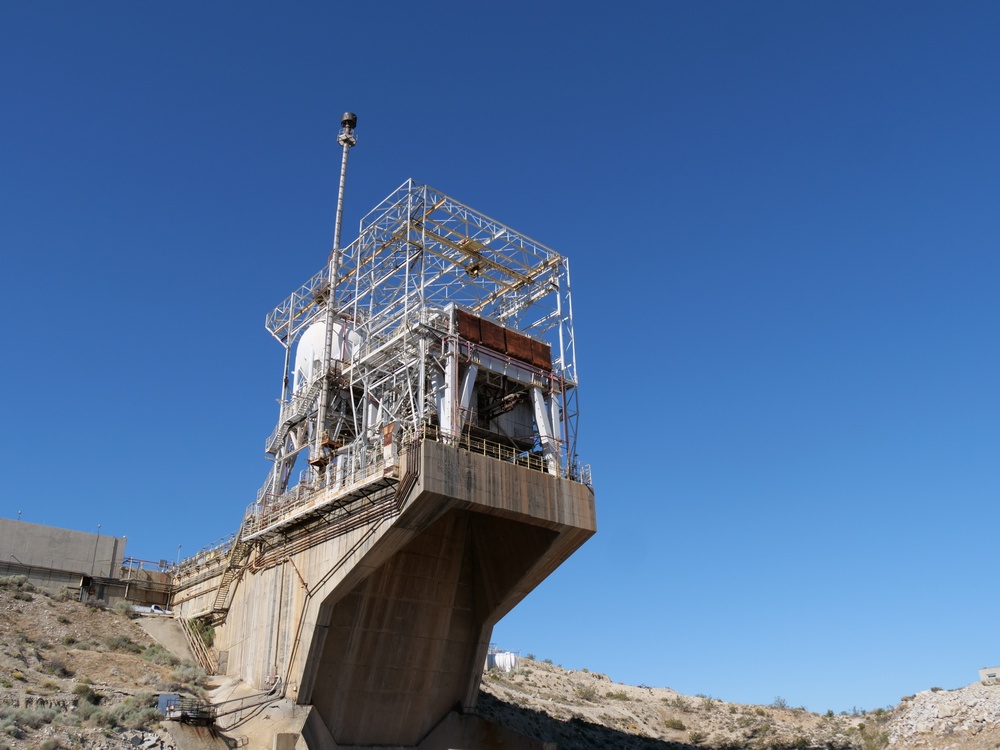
677	702
124	608
85	711
135	712
16	582
33	718
204	629
57	666
85	694
159	655
189	673
123	644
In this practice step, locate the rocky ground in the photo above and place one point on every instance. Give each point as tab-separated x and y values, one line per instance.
73	676
77	676
581	709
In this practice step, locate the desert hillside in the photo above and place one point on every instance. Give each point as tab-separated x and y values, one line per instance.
582	709
74	676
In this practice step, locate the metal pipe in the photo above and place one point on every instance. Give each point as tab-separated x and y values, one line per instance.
284	382
346	139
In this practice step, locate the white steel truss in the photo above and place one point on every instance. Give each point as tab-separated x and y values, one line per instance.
395	310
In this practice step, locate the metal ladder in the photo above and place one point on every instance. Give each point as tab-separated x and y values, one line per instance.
235	566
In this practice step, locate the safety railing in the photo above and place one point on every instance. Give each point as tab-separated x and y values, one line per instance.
273	510
295	410
217	550
579	472
488	448
202	653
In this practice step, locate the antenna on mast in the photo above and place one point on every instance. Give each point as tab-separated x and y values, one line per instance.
347	139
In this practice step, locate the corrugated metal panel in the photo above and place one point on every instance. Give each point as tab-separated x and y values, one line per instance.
468	326
519	346
493	336
541	355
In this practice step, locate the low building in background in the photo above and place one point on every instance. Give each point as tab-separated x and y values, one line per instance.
91	565
989	675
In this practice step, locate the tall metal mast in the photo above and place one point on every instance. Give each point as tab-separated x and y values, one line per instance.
347	139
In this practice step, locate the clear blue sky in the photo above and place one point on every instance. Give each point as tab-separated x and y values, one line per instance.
782	219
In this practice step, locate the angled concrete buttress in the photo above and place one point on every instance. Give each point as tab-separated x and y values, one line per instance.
384	628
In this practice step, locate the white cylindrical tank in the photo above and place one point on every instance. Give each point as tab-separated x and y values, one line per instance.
505	661
309	350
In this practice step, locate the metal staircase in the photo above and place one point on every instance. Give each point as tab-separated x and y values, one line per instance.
202	652
235	565
293	412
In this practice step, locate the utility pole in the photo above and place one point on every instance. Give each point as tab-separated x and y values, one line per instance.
93	563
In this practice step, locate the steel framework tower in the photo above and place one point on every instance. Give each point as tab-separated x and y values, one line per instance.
424	479
437	320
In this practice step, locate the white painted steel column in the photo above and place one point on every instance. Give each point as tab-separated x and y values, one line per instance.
437	386
449	400
555	423
465	394
549	447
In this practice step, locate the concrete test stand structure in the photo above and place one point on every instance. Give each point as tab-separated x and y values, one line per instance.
424	477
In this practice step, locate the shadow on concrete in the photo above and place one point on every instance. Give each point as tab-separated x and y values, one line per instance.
194	737
570	734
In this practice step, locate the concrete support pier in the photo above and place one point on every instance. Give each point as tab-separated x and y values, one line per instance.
383	627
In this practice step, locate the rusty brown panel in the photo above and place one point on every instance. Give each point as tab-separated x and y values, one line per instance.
541	355
492	336
468	326
519	346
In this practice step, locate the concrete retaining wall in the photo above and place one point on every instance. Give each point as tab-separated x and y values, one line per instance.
35	546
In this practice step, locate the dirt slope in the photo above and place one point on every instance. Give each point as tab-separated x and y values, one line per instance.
74	676
580	709
77	676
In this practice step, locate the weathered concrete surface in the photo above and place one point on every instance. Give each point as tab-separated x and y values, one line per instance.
198	586
455	732
384	627
35	546
169	634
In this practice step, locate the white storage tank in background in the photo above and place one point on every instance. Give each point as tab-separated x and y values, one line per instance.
505	661
309	350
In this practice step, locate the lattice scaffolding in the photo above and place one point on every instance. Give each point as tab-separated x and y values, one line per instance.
439	320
